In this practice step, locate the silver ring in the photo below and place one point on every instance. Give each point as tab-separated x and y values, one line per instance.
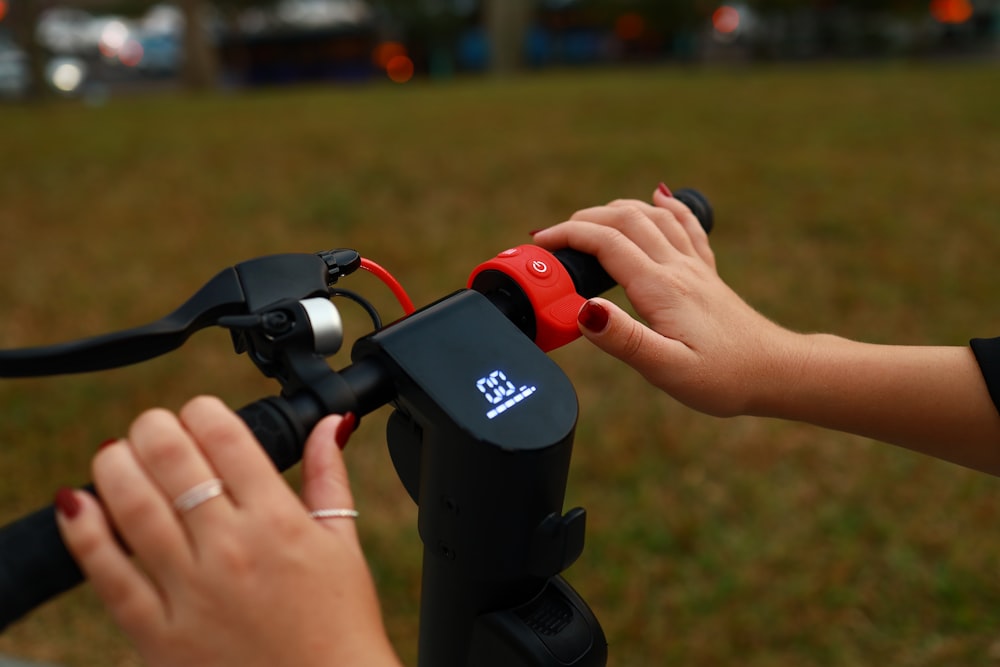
334	514
197	494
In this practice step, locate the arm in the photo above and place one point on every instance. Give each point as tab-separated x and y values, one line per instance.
929	399
703	344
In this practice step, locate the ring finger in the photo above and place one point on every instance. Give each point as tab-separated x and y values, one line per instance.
177	466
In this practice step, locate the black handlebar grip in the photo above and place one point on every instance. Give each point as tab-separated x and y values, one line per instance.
35	565
590	278
280	429
699	205
283	423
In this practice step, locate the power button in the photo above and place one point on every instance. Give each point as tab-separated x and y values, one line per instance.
539	268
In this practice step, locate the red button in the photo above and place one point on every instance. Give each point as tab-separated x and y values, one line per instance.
539	268
510	252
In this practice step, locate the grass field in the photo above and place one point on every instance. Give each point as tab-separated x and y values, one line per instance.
861	200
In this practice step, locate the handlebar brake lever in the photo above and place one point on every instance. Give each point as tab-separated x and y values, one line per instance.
247	288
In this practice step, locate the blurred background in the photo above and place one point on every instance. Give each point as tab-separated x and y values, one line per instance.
91	47
851	151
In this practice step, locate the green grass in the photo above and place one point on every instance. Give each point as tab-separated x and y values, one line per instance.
861	200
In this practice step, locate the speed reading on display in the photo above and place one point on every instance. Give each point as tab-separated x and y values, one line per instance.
501	393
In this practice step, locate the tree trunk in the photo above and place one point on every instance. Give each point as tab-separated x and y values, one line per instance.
201	65
507	23
23	19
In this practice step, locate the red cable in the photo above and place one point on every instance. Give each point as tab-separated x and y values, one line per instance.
391	282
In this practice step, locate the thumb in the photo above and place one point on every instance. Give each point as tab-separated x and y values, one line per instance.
616	332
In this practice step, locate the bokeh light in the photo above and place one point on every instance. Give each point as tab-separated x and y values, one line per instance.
3	9
400	69
394	59
386	51
951	11
66	74
131	52
726	20
630	26
66	77
113	38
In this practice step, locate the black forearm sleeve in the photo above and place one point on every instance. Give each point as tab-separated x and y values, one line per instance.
987	351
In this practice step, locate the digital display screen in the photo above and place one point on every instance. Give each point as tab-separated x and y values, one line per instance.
462	360
501	394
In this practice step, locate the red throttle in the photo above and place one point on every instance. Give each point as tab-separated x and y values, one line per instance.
531	276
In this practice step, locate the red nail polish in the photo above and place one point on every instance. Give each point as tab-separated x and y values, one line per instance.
66	503
109	441
533	232
344	429
593	317
664	190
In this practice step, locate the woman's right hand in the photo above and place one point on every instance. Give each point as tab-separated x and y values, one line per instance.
701	343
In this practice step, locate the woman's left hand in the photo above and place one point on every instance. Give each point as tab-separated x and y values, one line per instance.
243	577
